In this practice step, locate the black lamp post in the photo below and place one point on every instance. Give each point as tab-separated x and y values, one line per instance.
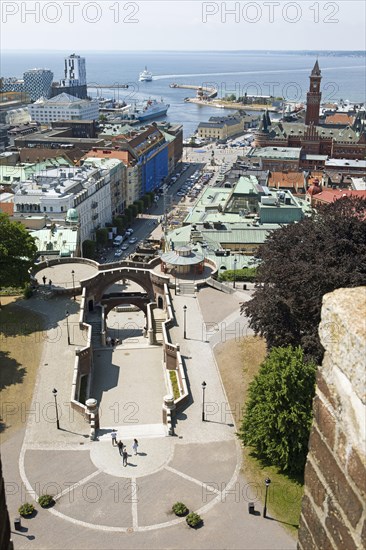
184	322
203	400
67	325
73	282
54	391
235	260
267	482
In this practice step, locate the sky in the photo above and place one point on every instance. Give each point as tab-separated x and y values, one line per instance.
182	25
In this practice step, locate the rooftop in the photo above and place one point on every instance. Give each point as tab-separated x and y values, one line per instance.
282	153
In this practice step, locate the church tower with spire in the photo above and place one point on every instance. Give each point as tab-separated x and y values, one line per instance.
313	97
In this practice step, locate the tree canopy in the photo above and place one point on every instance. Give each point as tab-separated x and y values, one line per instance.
17	252
278	412
299	264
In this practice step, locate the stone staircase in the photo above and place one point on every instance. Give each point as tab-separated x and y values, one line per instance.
159	317
186	288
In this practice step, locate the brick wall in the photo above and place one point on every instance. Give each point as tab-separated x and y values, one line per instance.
333	512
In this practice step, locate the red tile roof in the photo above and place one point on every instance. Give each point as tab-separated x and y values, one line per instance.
340	118
331	195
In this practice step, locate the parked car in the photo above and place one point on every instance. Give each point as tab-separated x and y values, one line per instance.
133	240
118	253
124	247
129	232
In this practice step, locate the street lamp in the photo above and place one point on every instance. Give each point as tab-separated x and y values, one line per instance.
54	391
73	282
235	260
184	322
67	325
267	482
203	400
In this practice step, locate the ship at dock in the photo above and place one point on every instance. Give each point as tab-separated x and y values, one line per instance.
150	109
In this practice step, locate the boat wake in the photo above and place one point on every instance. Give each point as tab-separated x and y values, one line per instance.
272	71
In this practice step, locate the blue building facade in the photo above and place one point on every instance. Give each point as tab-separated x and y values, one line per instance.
154	168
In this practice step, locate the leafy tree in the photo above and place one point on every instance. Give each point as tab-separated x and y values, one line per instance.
17	253
89	249
278	413
299	264
119	222
101	236
139	205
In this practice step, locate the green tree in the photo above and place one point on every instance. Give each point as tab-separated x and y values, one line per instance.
17	253
119	223
89	249
278	412
147	200
101	236
139	205
299	264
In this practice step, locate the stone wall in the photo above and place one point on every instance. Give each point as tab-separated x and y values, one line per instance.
333	512
4	523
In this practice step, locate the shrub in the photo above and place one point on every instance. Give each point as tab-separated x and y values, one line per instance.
27	291
26	509
245	274
180	509
46	500
193	519
173	378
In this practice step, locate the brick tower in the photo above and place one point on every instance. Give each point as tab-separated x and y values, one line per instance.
313	97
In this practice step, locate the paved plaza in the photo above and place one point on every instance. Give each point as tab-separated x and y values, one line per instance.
99	502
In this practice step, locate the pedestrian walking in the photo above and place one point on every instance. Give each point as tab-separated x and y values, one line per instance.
112	342
120	447
114	436
44	279
50	282
125	456
135	445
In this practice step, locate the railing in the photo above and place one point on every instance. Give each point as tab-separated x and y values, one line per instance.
83	362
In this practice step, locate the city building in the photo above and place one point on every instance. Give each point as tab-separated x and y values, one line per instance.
118	179
313	97
75	71
4	137
131	181
12	175
55	191
37	83
224	127
74	82
62	138
149	149
317	196
335	140
63	107
274	158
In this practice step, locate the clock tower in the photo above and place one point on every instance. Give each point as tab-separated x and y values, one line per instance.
313	97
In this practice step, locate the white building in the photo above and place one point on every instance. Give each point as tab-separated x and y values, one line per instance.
75	71
55	191
63	107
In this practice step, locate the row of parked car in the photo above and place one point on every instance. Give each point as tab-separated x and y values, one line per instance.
194	184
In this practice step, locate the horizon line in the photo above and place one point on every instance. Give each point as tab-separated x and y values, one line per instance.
185	50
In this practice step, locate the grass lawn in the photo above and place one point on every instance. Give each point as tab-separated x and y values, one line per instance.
20	354
239	362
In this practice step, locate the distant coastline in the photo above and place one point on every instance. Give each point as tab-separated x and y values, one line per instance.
313	53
